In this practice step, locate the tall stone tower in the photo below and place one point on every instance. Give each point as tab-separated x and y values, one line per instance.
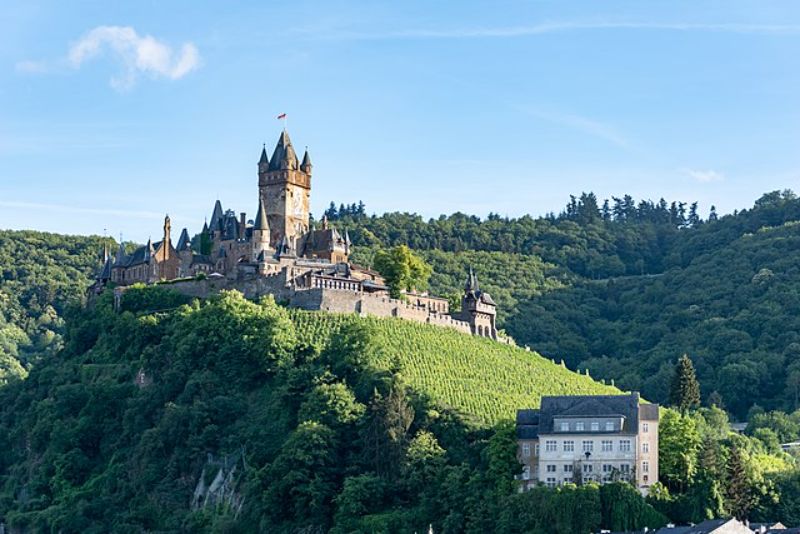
284	187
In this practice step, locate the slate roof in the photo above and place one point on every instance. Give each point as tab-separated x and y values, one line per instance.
261	219
184	243
105	272
532	423
201	259
325	240
284	156
216	215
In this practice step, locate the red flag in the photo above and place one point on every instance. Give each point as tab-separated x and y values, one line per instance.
282	116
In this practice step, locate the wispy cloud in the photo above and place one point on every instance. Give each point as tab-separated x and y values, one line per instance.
582	124
136	54
706	176
557	27
134	214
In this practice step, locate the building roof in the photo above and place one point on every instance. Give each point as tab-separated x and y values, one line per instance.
306	165
204	259
216	215
323	241
184	243
263	160
105	272
532	423
284	156
261	218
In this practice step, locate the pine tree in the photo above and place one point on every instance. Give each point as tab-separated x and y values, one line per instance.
739	496
684	391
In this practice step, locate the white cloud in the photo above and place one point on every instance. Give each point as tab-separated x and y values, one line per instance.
704	176
137	54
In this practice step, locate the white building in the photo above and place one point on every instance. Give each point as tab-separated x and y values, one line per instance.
601	438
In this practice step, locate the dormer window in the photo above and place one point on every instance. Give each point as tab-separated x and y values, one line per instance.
609	426
565	426
579	426
595	426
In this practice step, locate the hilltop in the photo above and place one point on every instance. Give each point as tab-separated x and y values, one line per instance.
311	409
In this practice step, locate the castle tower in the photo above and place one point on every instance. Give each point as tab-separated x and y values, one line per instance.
284	186
478	308
261	234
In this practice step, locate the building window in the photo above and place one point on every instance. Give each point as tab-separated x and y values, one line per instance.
526	450
579	426
595	426
551	468
645	447
625	445
609	426
550	446
587	468
551	482
536	450
569	446
625	468
607	468
645	427
607	445
565	427
645	478
588	446
645	467
568	468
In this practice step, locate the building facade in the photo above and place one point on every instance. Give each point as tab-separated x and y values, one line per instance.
281	253
598	438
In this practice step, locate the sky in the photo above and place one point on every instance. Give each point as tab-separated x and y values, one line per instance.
115	113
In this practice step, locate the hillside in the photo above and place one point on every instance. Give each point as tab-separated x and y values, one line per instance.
317	412
734	310
476	377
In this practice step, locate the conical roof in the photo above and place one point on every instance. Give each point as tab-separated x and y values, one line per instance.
264	160
284	156
216	215
184	243
306	165
261	219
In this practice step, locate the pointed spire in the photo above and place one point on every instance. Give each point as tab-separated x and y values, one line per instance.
216	215
472	281
325	221
261	219
306	165
184	243
284	156
263	162
120	259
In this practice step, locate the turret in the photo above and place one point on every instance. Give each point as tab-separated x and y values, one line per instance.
306	165
260	233
263	162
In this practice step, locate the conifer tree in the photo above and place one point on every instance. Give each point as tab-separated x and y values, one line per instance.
684	391
740	498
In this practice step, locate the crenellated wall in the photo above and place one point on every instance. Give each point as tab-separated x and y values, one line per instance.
319	298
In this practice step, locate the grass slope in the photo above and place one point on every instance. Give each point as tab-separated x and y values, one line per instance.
483	380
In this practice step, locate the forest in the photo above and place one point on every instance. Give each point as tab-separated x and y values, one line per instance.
135	412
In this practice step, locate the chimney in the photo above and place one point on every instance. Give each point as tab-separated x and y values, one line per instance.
242	225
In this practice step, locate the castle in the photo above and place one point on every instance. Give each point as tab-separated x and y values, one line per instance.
281	254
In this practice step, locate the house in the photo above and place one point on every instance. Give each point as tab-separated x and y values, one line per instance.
712	526
583	438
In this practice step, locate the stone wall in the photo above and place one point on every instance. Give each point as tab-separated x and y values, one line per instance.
318	298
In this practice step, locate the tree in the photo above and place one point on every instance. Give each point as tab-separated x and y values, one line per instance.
403	270
678	444
739	495
684	391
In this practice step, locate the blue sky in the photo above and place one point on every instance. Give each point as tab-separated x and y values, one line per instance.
112	113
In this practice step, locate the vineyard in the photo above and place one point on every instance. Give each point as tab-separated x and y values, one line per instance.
479	378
